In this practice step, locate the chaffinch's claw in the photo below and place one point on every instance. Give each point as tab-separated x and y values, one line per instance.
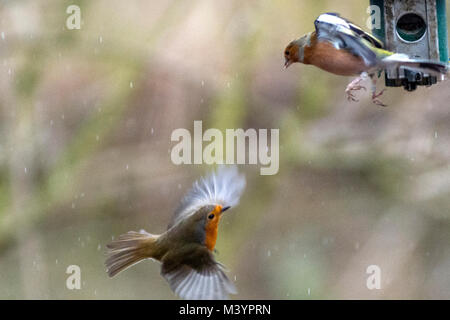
375	99
354	86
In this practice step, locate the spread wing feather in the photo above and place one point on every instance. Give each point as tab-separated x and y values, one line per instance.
223	187
343	34
205	284
198	277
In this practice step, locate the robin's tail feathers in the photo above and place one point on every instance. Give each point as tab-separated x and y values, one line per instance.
129	249
398	60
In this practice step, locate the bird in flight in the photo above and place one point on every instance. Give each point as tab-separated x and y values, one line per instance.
186	249
340	47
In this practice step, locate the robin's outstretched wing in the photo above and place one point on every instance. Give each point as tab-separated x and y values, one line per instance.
343	34
197	277
223	187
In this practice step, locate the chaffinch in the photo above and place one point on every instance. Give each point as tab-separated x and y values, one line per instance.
340	47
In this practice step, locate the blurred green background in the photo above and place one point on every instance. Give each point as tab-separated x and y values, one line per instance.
85	123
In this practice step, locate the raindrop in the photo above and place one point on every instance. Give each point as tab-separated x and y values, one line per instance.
131	84
309	291
126	167
100	39
3	35
269	253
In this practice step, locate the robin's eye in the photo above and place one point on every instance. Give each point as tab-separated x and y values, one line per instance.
286	53
211	216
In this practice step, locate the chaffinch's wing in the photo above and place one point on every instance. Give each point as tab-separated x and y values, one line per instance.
345	35
335	18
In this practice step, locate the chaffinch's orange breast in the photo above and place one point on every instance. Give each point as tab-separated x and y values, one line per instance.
325	56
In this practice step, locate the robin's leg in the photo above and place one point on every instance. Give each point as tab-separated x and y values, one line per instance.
375	95
355	86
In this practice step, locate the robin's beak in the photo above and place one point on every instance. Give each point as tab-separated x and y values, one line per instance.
225	209
287	63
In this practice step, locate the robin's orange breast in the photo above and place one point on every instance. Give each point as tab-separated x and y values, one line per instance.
211	236
212	227
325	56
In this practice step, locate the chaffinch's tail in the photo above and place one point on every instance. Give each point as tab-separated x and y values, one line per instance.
427	66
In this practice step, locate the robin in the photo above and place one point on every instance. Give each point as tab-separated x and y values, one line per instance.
342	48
185	250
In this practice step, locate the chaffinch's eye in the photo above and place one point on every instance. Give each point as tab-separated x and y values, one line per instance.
211	216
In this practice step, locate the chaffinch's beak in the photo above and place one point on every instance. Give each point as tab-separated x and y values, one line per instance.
287	63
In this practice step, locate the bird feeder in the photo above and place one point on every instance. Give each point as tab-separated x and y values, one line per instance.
417	28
